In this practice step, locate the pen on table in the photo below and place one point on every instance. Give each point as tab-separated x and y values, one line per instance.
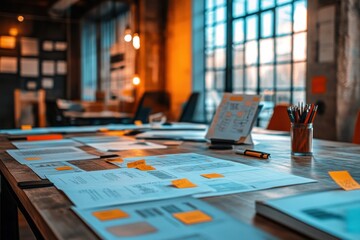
253	153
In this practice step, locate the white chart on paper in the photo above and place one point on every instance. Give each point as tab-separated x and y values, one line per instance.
27	156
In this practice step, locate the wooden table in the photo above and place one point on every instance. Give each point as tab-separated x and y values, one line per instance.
48	210
97	118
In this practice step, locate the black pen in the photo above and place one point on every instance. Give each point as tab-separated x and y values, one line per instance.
253	153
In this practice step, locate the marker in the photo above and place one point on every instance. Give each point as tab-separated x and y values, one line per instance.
253	153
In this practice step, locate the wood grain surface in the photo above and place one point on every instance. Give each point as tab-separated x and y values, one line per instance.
49	209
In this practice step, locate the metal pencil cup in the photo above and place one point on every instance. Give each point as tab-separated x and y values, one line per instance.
301	139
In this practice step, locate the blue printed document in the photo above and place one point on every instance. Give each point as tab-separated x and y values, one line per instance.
36	155
53	168
46	144
177	218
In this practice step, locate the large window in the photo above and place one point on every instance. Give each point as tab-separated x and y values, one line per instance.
255	47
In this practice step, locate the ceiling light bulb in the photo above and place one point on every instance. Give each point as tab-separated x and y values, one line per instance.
20	18
13	31
136	41
127	34
136	80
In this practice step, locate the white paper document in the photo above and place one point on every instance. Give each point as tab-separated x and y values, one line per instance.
236	178
213	177
177	218
198	135
125	145
106	195
53	168
36	155
120	176
46	144
98	139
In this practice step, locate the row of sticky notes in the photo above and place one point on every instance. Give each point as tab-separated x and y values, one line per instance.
189	217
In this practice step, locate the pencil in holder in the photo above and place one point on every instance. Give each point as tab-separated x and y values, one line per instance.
301	139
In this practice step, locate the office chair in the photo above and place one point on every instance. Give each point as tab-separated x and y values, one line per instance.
356	137
187	114
54	115
151	102
279	120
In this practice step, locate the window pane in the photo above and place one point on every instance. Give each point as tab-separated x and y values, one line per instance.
238	8
300	16
283	78
251	78
251	52
210	16
267	3
252	6
209	55
267	24
282	1
267	50
283	49
220	80
283	20
209	80
283	97
220	36
238	31
299	75
266	77
238	55
209	38
209	3
299	96
220	14
299	53
220	2
238	76
251	27
220	59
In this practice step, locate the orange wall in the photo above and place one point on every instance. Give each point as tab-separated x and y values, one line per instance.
178	54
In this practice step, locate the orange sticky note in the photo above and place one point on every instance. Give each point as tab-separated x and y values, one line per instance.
32	158
110	214
212	175
115	133
138	123
344	180
136	163
236	98
183	183
64	168
144	167
117	160
192	217
318	85
26	127
44	137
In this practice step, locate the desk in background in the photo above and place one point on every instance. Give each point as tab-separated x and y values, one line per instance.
97	118
48	210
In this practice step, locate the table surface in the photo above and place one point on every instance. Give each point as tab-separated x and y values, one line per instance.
50	211
96	115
